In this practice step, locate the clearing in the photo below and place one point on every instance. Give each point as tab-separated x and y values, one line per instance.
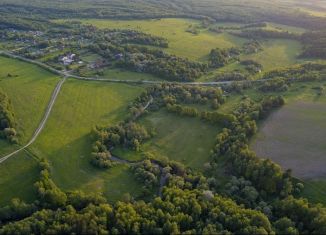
184	139
277	53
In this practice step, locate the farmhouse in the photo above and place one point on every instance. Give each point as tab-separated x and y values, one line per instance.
67	60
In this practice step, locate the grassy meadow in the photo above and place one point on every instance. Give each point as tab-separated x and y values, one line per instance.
122	74
184	139
66	140
282	27
277	53
17	177
29	89
181	43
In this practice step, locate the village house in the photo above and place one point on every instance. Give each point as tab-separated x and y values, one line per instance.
67	60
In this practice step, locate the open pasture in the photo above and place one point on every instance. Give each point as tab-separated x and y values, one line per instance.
17	177
277	53
29	89
181	43
184	139
284	28
66	140
121	74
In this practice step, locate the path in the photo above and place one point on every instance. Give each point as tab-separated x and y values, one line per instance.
42	123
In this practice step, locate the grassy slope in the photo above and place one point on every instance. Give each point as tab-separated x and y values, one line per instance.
128	75
277	54
315	190
66	141
183	139
181	43
18	175
281	27
29	93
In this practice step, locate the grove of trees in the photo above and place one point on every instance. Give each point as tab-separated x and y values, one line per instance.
7	119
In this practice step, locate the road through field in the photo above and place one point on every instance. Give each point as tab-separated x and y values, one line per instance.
66	74
69	75
42	123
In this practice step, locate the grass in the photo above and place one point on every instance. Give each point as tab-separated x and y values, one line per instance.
315	190
181	43
18	175
184	139
269	26
66	140
282	27
277	53
29	91
127	154
115	182
121	74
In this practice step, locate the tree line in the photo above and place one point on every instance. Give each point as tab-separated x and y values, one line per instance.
7	119
126	134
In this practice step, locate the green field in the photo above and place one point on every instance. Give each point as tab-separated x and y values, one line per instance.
121	74
29	90
315	190
17	177
184	139
282	27
66	140
277	53
181	43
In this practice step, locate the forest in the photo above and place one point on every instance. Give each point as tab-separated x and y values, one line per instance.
7	119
